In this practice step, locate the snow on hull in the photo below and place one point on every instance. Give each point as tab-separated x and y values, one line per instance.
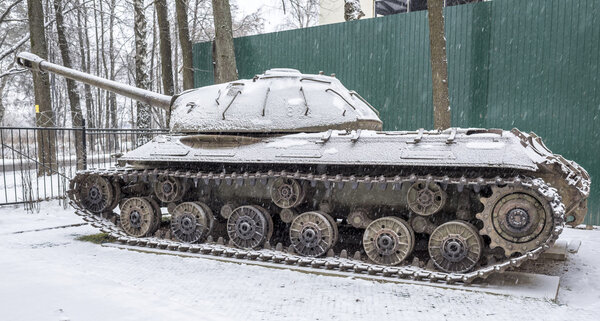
502	150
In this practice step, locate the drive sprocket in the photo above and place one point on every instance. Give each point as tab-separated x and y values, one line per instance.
516	218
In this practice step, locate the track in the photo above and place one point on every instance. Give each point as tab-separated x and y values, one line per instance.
340	263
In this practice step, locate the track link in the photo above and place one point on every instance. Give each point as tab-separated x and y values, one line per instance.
329	263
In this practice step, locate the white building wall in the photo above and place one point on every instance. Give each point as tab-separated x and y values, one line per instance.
332	11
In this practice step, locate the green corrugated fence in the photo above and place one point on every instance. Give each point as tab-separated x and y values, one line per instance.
526	64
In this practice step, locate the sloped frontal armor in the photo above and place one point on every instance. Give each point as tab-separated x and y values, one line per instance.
280	100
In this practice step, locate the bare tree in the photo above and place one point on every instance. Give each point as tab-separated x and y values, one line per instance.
8	9
439	66
3	82
4	18
41	83
225	66
112	98
152	56
181	6
202	25
156	112
107	108
162	16
98	61
84	54
76	117
352	10
302	13
176	62
144	116
250	24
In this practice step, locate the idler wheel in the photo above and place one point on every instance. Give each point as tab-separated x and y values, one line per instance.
137	217
313	233
517	219
94	193
249	226
426	199
455	247
388	240
169	189
287	192
191	222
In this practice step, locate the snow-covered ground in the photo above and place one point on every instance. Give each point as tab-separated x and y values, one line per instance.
48	275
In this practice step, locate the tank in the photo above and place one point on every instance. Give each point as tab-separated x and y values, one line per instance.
300	161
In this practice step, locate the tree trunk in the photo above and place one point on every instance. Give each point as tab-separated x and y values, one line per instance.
224	54
106	94
131	109
3	82
176	62
439	65
152	56
195	19
76	117
144	116
41	84
98	112
166	63
152	77
112	97
181	6
84	53
112	141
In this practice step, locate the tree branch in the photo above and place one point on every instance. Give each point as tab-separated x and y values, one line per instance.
13	72
12	5
26	37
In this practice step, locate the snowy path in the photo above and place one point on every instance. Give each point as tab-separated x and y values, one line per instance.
47	275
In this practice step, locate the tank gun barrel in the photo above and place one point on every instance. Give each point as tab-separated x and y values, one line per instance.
35	63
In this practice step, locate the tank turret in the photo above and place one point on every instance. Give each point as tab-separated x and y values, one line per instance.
278	101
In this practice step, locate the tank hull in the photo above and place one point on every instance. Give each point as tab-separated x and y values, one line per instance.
451	148
457	199
454	152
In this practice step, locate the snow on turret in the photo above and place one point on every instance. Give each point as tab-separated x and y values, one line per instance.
280	100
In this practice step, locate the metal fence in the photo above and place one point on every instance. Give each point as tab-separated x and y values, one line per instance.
37	163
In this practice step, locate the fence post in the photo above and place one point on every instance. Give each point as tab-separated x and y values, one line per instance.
84	143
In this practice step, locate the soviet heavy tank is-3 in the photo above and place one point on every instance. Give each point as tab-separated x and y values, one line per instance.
300	160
